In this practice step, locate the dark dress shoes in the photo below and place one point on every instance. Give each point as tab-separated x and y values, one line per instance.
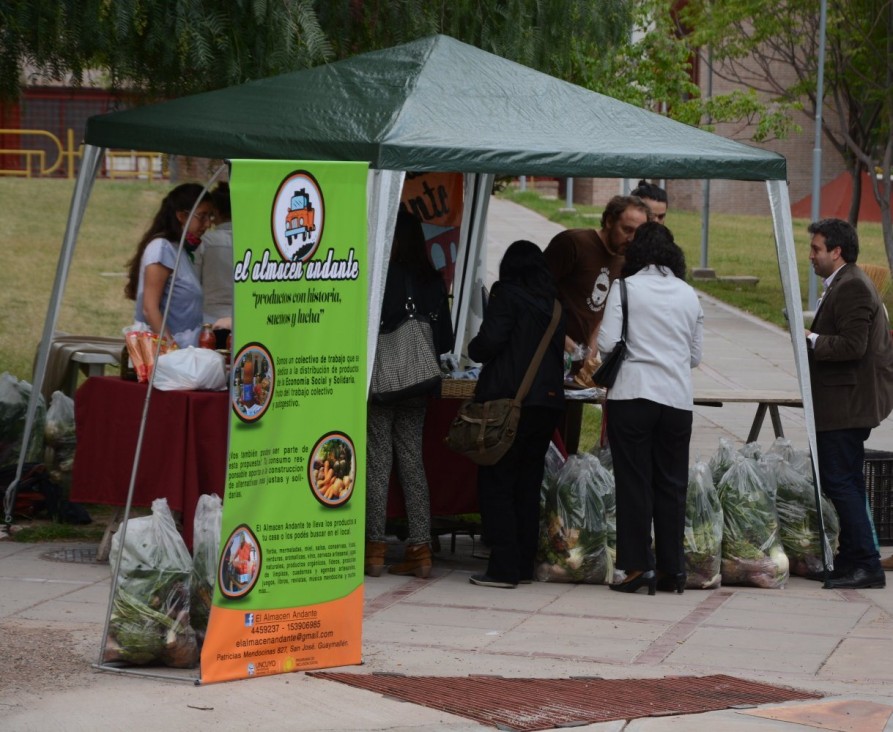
857	579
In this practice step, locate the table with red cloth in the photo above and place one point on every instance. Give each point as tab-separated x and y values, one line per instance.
184	450
184	447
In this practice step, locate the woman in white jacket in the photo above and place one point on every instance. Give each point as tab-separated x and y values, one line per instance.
649	408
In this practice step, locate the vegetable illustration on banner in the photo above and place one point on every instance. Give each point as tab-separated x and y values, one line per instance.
289	593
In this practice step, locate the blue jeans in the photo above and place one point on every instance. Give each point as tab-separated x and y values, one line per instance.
841	456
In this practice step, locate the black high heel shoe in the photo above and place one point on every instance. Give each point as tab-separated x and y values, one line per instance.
640	580
672	583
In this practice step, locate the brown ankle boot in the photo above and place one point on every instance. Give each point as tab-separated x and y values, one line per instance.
374	560
416	560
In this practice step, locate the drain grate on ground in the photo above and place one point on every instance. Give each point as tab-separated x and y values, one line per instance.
75	554
525	705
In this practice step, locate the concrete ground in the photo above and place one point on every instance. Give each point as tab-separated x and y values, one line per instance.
837	643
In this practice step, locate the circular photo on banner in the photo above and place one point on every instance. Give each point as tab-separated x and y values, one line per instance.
252	382
333	469
239	563
298	216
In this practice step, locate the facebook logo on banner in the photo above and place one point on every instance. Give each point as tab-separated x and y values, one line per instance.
249	619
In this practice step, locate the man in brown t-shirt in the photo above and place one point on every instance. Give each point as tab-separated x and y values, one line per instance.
584	263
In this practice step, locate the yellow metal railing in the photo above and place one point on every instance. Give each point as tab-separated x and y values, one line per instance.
118	163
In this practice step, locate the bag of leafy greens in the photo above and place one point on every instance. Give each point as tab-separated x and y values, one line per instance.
14	395
150	612
752	553
721	460
702	540
573	541
798	518
205	550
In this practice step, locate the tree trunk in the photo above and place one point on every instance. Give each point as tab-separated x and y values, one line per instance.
856	197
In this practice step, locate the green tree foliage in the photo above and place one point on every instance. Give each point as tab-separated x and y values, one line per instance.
653	69
752	40
173	47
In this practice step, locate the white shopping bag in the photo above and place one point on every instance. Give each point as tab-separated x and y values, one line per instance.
190	368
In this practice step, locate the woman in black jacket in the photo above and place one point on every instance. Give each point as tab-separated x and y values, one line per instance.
518	313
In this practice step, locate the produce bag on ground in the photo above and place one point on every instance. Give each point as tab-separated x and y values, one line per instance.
798	459
798	518
752	553
150	612
722	459
58	457
14	395
205	550
702	540
573	541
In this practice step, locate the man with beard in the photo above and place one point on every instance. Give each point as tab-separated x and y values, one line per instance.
851	371
584	263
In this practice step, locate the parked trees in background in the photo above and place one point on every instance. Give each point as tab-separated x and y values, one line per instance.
752	39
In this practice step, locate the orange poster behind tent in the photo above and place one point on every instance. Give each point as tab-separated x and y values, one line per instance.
436	200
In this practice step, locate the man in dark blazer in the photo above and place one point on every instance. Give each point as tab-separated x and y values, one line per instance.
851	370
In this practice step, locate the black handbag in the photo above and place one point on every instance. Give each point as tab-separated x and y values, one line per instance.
406	362
484	431
606	374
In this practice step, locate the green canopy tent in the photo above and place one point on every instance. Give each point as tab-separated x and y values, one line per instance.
435	104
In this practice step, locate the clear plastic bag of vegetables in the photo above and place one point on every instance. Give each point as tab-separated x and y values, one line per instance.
798	459
59	440
702	540
205	550
798	518
573	541
721	460
150	611
752	553
14	395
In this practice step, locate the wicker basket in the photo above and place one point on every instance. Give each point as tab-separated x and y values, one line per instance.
457	388
878	469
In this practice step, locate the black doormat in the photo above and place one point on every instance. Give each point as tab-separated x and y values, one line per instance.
525	705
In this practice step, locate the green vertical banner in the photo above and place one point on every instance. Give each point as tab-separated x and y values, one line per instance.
289	593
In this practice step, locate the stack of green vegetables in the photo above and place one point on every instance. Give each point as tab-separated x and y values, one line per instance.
59	439
573	541
150	611
14	395
752	553
702	540
205	548
798	518
722	459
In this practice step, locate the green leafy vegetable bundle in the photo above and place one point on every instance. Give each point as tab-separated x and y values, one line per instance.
205	549
150	611
798	518
14	395
573	541
702	540
752	553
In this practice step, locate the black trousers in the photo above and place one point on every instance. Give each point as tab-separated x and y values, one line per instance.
509	497
649	447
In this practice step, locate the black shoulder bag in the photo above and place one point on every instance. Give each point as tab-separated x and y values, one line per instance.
606	374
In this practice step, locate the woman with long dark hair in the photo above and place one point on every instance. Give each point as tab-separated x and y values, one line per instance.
649	408
150	269
518	313
394	430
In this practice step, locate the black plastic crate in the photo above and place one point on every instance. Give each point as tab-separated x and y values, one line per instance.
879	484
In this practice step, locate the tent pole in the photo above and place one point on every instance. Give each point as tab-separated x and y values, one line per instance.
90	164
383	189
122	531
470	252
787	265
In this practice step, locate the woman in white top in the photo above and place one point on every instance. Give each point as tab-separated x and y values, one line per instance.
149	280
649	408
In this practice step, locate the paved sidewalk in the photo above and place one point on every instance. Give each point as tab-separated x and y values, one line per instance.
838	643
